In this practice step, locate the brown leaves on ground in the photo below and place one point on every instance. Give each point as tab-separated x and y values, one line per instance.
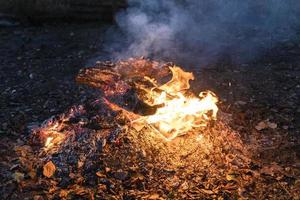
265	124
49	169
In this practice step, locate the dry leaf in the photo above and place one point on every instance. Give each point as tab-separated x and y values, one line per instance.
261	125
49	169
272	125
80	164
153	196
63	193
99	174
207	191
265	124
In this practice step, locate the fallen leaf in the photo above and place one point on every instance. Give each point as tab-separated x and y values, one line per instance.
99	174
107	169
49	169
153	196
272	125
63	193
261	125
80	164
265	124
207	191
80	191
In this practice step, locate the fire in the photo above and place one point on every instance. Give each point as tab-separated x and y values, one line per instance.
48	142
53	139
178	110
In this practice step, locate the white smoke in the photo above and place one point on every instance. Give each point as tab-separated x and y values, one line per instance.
199	31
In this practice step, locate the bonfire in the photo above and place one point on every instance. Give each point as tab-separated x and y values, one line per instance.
146	134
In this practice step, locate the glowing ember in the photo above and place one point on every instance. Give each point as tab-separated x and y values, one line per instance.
178	110
48	142
53	140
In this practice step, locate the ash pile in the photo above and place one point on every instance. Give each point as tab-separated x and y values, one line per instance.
94	152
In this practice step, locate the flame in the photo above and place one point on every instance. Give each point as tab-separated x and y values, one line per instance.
48	142
53	139
51	131
178	110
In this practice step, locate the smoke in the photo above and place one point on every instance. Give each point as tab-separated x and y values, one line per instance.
201	31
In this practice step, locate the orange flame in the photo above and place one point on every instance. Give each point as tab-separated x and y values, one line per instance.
178	112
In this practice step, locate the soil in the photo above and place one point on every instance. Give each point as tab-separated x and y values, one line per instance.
260	99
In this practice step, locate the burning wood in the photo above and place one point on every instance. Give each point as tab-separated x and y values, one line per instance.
117	78
177	112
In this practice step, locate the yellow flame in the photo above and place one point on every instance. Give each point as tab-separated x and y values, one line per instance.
48	142
179	112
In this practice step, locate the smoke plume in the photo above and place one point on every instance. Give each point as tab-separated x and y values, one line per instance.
200	31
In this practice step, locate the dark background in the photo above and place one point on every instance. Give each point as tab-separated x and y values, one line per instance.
61	10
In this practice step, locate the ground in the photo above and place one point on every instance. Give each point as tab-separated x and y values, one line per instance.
262	99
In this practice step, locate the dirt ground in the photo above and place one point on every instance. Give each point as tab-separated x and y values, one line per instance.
38	69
